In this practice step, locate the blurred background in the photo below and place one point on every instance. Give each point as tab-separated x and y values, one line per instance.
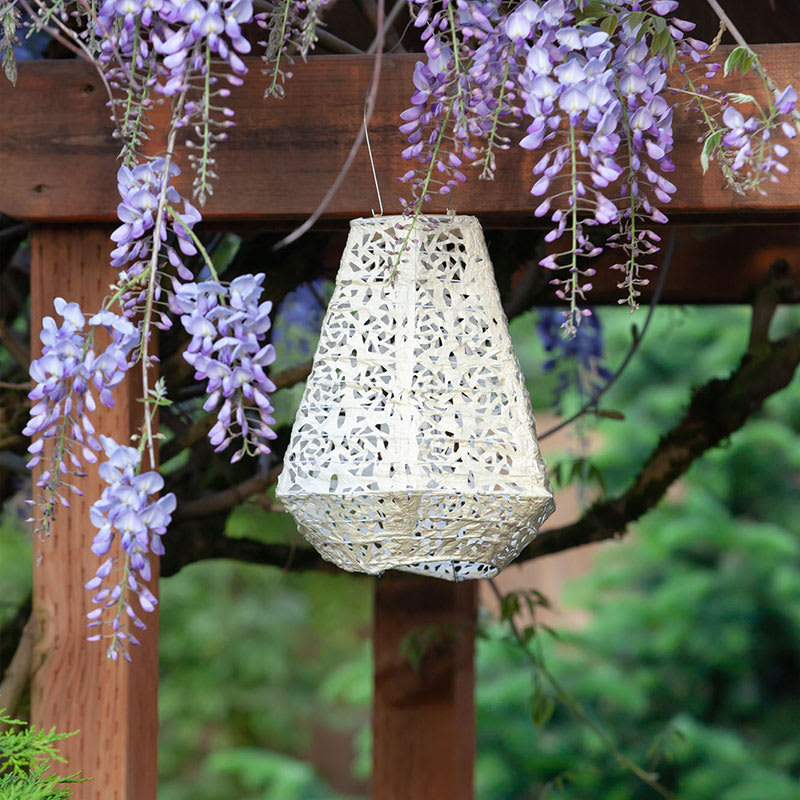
682	641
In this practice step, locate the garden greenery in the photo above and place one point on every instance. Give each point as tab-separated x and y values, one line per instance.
26	758
594	85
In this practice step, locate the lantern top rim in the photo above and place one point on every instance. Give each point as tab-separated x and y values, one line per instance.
394	219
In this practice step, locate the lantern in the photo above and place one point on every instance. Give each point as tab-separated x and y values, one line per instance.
414	446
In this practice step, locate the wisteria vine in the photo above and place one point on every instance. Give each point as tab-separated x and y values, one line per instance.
594	84
590	86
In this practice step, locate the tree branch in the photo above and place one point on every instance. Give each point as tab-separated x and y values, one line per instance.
717	409
200	540
227	498
199	429
11	635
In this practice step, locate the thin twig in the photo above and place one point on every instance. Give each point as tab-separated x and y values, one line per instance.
391	17
153	272
372	96
637	340
79	48
577	710
742	42
69	43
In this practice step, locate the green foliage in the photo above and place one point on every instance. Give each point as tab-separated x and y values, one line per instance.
26	757
741	59
15	561
691	661
261	775
246	656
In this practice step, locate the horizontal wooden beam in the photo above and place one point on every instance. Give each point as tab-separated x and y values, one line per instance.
58	159
709	265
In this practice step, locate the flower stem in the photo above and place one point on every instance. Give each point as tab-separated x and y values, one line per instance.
742	42
153	270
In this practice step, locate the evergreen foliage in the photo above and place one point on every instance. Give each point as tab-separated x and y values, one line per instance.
26	760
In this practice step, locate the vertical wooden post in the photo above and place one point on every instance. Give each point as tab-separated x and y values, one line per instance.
75	686
424	716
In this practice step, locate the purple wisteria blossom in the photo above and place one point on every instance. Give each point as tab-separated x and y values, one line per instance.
592	98
128	510
597	102
139	190
66	377
184	49
228	325
578	361
291	28
748	145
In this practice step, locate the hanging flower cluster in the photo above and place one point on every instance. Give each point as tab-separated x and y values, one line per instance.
592	86
166	48
577	362
291	27
139	189
188	51
65	378
228	325
126	509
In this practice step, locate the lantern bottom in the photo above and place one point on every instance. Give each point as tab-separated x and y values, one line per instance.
455	536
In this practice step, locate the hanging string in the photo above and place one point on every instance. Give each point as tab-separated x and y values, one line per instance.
370	107
369	146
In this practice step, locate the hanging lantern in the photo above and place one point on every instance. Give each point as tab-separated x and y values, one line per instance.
414	445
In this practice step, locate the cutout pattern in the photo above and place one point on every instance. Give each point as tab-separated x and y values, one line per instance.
414	446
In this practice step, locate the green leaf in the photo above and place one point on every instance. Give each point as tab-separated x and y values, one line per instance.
609	24
635	18
741	97
659	42
542	707
509	606
710	145
7	41
741	59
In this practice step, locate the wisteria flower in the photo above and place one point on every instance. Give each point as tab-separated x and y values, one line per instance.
127	511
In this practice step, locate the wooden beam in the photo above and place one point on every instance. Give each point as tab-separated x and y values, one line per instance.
423	717
710	265
75	687
58	160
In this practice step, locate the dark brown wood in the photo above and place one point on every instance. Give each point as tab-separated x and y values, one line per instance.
760	20
713	265
75	687
423	717
58	159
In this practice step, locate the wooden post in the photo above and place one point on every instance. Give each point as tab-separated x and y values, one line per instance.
75	686
423	714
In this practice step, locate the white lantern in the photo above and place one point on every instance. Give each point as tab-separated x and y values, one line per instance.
414	447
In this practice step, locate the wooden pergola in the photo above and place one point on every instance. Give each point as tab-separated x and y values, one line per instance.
58	163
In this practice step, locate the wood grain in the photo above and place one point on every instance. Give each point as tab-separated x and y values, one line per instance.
75	687
423	720
713	265
58	160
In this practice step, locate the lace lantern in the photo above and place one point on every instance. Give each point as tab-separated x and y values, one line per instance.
414	446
